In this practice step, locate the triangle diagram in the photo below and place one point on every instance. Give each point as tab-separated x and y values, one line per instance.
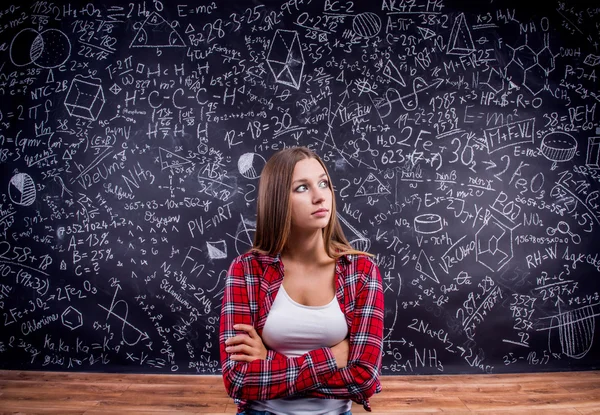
156	32
371	186
425	32
285	77
393	73
217	250
170	160
424	267
460	42
283	73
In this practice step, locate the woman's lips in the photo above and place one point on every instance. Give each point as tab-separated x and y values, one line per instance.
321	212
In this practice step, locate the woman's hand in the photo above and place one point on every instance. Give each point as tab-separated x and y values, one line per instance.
341	351
245	347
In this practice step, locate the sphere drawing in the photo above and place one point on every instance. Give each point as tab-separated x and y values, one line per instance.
52	49
21	189
366	24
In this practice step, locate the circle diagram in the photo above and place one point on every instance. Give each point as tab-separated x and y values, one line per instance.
366	24
21	189
244	237
48	49
250	165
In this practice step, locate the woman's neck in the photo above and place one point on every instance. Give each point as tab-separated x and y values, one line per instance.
306	248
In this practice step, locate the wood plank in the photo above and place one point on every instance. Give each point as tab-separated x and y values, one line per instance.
563	411
157	405
573	385
130	411
467	412
63	387
43	411
58	405
569	393
82	377
522	401
589	411
432	403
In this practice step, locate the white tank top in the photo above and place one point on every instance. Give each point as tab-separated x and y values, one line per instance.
294	329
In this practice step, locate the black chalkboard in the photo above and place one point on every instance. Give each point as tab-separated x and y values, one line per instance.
462	138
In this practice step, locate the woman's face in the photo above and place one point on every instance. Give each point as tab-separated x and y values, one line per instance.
311	197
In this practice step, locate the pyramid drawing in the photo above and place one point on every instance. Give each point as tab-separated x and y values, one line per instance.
371	186
285	58
156	32
424	267
460	42
170	160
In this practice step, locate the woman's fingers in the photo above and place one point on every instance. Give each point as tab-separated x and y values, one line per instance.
240	344
240	348
251	336
243	353
242	358
248	329
247	346
239	339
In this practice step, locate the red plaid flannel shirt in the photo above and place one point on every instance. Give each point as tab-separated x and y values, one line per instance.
252	283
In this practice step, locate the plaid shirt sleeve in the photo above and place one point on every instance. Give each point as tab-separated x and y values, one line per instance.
359	380
263	379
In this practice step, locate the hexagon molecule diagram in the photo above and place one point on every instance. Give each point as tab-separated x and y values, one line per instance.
494	247
529	68
72	318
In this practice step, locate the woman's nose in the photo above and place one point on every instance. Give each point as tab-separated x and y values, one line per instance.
318	196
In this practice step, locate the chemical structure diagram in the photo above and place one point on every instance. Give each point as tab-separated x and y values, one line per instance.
528	68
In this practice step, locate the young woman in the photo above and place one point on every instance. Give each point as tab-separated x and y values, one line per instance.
302	315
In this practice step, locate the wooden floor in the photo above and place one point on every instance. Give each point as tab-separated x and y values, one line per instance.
85	393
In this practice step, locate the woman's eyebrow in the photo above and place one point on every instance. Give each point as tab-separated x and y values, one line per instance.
305	180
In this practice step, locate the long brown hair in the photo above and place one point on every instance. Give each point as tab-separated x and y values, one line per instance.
273	213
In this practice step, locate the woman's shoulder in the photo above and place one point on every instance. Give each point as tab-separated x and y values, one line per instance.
254	257
361	269
360	257
361	261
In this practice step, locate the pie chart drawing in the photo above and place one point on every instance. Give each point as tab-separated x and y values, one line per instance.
250	165
21	189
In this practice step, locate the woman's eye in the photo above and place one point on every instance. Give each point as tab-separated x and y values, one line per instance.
301	188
